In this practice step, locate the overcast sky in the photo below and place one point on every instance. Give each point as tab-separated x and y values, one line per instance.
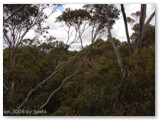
118	30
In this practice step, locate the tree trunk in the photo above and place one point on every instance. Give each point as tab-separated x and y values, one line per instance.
116	50
126	27
141	28
81	42
11	69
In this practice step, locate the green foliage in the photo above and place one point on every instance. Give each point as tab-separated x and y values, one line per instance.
149	36
96	90
23	15
98	13
63	111
74	17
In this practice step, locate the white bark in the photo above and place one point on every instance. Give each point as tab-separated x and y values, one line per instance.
56	90
116	50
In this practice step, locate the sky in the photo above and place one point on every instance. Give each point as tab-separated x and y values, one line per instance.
118	30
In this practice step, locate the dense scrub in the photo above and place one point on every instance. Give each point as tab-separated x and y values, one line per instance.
97	88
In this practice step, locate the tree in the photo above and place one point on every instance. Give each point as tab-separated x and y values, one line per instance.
78	19
71	18
98	21
120	62
102	18
19	19
106	15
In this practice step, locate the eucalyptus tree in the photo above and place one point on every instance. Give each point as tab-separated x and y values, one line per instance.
78	19
98	21
101	18
18	20
104	17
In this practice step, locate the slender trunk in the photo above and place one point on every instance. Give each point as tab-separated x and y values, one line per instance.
81	42
126	27
11	74
123	70
141	28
